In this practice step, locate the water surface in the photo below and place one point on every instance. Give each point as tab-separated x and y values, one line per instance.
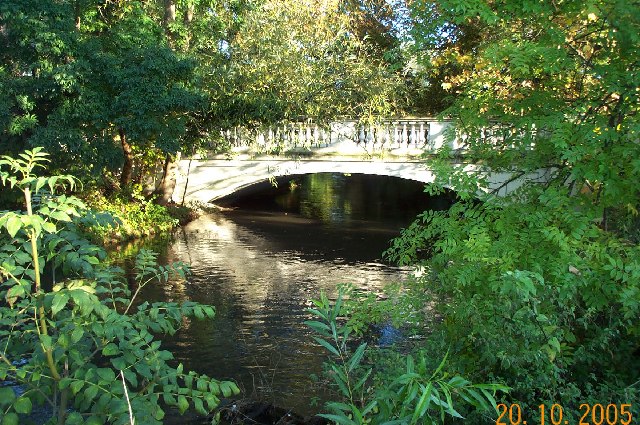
262	262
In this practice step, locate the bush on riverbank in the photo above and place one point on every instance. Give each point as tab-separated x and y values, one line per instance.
133	215
78	342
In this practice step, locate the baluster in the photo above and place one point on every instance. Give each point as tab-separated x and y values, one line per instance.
421	137
316	136
260	138
396	135
301	133
413	134
380	137
427	136
361	136
294	135
332	131
386	136
270	136
369	137
291	132
307	137
404	137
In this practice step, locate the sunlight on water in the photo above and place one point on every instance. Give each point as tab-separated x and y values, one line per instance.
260	267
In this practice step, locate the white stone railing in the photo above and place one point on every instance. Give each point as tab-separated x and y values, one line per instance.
400	136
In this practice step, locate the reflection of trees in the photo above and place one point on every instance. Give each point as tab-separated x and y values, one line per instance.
324	199
259	289
259	285
339	198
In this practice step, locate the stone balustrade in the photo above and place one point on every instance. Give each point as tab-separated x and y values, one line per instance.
403	136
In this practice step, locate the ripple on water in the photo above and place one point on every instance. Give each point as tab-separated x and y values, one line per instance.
260	279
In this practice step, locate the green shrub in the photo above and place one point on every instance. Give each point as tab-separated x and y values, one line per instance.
408	394
81	345
133	215
533	294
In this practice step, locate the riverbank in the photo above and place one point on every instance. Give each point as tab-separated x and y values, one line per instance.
127	216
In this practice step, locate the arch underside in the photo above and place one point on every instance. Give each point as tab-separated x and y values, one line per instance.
214	179
209	180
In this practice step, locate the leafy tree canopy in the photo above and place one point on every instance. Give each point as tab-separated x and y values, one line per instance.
302	58
540	288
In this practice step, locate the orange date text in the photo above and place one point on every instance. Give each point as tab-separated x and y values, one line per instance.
597	414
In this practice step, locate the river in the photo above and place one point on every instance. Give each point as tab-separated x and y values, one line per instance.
261	262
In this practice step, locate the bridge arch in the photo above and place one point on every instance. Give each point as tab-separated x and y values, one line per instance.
209	180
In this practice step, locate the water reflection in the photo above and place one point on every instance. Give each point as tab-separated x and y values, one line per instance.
261	263
259	271
337	199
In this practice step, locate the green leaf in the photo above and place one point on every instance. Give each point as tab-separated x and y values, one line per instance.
76	386
46	342
423	404
77	334
169	398
199	406
10	418
490	399
7	395
228	388
339	419
107	374
354	361
64	383
319	327
482	403
327	345
90	392
458	382
110	349
60	216
211	400
23	405
183	404
13	224
49	227
59	302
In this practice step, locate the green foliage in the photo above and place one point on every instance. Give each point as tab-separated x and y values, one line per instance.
401	306
416	394
534	293
546	86
82	345
290	59
79	76
85	78
125	215
535	289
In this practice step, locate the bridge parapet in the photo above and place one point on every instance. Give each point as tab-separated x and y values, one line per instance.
401	137
391	147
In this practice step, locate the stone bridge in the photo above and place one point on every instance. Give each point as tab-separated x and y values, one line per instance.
397	148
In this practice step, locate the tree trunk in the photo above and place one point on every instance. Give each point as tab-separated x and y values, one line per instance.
76	11
188	17
127	167
168	182
169	17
